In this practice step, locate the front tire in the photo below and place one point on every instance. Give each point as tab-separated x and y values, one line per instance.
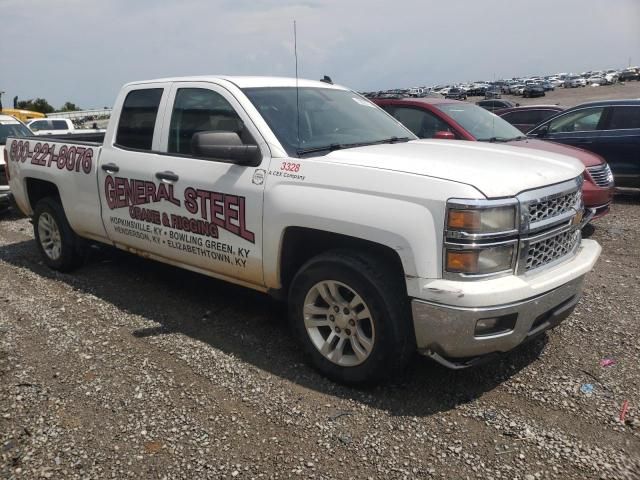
350	311
59	246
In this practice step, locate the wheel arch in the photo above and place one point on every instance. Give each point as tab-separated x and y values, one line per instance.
38	189
300	244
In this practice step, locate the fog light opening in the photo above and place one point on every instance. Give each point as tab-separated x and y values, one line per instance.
495	325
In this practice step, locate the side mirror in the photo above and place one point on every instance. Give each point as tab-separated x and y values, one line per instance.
224	146
444	135
542	131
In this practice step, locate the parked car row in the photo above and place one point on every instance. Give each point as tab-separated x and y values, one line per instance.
517	85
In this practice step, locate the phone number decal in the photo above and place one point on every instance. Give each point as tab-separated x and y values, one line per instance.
73	158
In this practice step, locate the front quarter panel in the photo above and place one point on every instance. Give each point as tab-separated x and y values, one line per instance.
402	211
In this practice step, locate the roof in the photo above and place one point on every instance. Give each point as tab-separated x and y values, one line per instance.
416	100
6	118
608	103
557	108
246	82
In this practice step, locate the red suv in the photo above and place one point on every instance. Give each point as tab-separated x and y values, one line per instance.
454	120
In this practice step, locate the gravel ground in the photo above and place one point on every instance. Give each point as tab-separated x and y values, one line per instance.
132	369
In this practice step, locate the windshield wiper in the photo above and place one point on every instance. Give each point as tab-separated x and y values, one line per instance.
341	146
495	139
391	140
327	148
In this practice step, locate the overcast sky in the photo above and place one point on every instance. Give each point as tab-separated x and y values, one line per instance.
84	50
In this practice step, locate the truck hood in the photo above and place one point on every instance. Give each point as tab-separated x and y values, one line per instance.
495	170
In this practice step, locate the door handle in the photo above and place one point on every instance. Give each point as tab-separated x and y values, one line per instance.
110	168
167	176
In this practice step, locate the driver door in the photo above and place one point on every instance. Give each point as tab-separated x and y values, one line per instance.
217	225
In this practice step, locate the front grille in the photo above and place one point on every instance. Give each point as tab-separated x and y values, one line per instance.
550	249
601	175
554	207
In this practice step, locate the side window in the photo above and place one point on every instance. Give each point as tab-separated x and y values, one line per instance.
579	121
59	125
624	118
529	117
423	124
39	125
138	118
201	110
538	116
513	117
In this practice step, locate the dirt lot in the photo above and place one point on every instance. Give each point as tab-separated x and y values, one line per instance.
133	369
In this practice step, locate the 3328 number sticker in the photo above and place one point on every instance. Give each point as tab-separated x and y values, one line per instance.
290	167
74	158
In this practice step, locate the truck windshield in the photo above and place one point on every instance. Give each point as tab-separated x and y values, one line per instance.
328	119
482	124
12	129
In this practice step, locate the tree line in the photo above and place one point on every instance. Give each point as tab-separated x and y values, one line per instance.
41	105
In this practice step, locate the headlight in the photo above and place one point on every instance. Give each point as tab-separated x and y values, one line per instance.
482	220
480	261
481	238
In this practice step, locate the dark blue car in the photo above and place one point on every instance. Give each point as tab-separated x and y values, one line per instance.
610	128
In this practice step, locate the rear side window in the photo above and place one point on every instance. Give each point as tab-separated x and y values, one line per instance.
59	125
138	118
529	117
624	118
39	125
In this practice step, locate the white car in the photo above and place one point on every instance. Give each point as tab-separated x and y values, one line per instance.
49	126
574	81
382	244
9	127
58	126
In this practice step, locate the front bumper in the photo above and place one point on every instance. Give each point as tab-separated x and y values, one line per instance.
446	331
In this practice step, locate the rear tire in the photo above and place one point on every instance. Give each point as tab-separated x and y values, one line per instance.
350	311
59	246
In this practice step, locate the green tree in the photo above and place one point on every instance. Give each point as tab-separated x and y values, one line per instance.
69	107
37	105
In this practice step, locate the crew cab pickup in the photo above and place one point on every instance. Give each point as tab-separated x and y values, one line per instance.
381	243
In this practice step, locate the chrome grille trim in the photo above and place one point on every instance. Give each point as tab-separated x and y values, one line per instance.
550	225
601	175
547	251
548	207
553	207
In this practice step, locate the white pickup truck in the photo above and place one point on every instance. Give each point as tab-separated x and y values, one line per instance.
57	126
381	243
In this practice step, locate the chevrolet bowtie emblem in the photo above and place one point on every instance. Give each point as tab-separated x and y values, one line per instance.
577	218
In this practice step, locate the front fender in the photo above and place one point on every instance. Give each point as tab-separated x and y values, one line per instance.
406	227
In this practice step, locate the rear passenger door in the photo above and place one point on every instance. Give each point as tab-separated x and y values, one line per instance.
619	143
